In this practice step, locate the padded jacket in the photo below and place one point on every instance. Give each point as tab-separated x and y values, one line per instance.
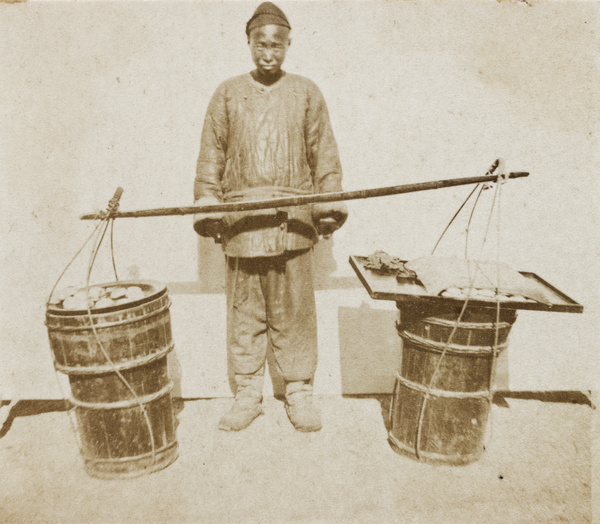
262	142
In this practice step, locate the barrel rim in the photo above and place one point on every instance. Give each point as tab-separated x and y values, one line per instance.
452	348
103	321
159	288
443	322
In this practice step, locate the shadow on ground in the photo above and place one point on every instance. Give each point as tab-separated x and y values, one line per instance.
499	399
28	408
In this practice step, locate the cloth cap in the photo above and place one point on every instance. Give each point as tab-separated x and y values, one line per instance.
265	14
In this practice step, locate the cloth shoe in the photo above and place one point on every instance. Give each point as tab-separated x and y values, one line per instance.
247	404
300	408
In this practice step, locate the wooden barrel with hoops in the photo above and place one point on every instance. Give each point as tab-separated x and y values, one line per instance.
116	361
442	396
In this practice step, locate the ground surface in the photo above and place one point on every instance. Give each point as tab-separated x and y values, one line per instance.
536	469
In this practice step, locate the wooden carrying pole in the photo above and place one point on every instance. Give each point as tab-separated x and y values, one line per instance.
305	199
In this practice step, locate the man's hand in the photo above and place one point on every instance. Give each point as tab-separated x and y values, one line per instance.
327	226
209	224
329	217
214	228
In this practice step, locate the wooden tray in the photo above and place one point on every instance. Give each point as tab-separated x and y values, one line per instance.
385	286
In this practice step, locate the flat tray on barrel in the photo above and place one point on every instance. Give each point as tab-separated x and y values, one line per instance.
383	285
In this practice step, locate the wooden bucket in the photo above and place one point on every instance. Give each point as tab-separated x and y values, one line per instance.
445	420
124	410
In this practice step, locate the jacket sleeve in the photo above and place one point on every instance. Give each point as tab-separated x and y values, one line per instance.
213	149
322	151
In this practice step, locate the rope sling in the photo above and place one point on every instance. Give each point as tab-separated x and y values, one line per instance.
103	220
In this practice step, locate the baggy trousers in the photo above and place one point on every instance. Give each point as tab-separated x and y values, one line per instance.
271	300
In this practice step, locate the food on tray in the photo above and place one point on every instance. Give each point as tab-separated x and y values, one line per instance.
95	293
405	273
460	279
74	302
104	302
73	298
381	261
455	276
134	293
64	293
453	292
118	292
54	300
81	295
482	294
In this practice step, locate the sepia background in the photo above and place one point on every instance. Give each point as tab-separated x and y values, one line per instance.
100	95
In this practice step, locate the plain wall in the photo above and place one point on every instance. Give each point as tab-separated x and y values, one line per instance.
100	95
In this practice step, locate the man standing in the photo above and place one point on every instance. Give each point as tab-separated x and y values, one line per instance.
267	134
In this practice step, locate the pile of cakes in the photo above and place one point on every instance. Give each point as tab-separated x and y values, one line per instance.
482	294
72	298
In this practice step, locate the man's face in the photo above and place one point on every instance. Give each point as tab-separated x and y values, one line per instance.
269	45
